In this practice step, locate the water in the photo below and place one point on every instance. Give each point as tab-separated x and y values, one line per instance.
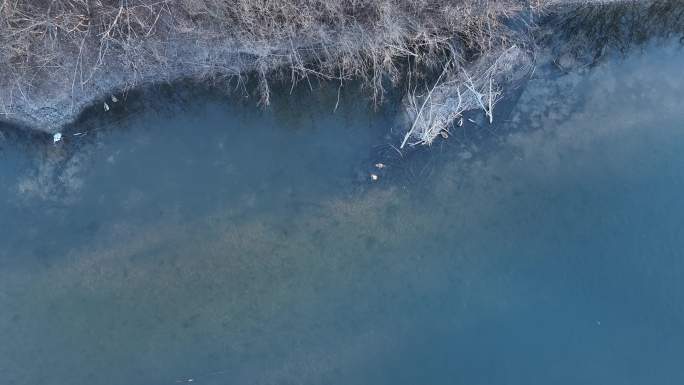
202	239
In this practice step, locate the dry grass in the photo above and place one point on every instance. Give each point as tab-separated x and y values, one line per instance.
73	44
53	51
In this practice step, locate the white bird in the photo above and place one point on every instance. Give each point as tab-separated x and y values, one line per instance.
106	106
56	137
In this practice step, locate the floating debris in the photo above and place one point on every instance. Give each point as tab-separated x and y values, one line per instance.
106	106
380	166
114	99
374	177
444	134
56	137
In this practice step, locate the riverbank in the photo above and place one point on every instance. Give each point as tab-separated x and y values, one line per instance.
59	59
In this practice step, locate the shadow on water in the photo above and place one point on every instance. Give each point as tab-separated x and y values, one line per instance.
594	32
193	237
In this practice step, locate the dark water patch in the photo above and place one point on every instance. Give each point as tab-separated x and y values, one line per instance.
595	32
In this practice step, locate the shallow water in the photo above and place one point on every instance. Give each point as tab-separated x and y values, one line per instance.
202	239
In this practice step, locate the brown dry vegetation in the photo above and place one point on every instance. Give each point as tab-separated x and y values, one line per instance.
58	56
73	47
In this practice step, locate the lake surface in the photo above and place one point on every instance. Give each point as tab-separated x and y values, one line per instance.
196	238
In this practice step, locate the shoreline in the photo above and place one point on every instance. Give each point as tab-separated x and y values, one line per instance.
58	60
51	102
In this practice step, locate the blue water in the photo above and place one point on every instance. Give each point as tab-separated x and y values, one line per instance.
201	240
